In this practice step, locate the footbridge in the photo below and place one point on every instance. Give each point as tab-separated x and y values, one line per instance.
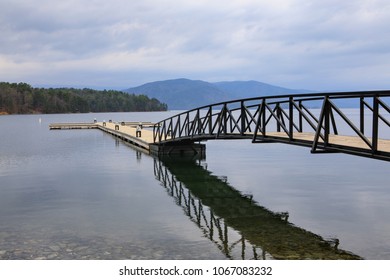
323	122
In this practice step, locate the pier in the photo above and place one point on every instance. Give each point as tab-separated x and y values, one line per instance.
127	131
317	121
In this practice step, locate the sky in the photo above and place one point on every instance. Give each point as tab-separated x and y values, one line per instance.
327	45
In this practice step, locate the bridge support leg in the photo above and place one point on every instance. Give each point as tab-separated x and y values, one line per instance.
198	150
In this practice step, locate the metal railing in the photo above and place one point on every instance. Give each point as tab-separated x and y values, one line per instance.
287	118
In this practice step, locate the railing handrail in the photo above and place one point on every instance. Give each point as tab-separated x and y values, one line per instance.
306	96
250	117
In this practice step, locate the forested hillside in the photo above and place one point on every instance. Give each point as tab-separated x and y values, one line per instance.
21	98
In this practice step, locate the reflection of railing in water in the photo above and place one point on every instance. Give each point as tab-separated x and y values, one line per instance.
213	227
234	223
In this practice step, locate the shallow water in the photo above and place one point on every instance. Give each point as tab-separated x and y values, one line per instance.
82	194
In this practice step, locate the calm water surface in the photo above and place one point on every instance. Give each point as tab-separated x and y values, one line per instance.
82	194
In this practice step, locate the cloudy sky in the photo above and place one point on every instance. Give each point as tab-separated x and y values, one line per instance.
320	45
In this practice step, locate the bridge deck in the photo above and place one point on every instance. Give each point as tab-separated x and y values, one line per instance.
341	140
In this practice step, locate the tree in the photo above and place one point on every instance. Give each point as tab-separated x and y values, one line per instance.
22	98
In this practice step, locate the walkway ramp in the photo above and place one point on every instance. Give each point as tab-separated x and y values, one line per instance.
320	121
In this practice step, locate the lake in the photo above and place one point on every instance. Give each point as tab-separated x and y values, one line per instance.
83	194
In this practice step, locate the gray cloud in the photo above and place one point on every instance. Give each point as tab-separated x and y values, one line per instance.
329	45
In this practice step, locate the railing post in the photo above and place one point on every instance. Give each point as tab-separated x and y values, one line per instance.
224	118
188	125
171	129
178	126
199	123
362	114
300	117
164	131
317	135
210	121
278	114
327	121
291	117
375	125
154	133
243	117
335	131
260	121
158	133
263	117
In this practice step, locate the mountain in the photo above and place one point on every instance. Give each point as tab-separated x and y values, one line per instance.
182	94
248	89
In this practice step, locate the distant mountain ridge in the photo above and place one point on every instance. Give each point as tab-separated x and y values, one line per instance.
183	94
247	89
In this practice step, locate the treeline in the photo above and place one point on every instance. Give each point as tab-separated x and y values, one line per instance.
22	98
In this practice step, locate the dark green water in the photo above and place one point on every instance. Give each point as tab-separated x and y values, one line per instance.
82	194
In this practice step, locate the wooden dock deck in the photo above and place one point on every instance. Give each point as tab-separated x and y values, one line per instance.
123	130
128	133
73	125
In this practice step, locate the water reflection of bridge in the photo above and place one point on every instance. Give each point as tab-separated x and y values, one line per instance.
238	226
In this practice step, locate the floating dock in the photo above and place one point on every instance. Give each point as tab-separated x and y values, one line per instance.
73	125
127	131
